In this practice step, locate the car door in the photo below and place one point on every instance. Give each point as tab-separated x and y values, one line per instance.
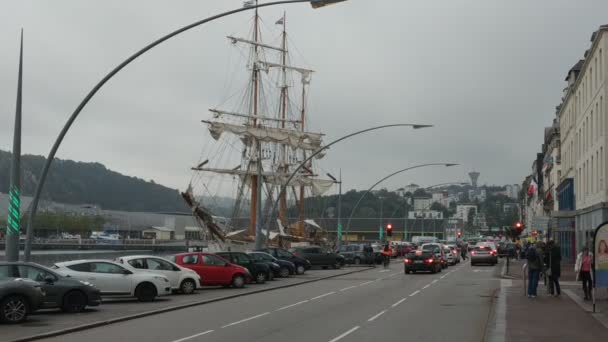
194	262
112	279
216	268
313	254
53	290
244	260
160	266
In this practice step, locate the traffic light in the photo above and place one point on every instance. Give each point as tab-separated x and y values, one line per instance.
389	230
519	226
459	233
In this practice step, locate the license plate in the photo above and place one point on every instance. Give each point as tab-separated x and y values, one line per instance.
417	261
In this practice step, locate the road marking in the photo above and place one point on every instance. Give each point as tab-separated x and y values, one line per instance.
292	305
348	288
415	293
323	295
434	281
193	336
394	274
367	282
345	334
382	271
426	286
245	320
443	276
376	316
399	302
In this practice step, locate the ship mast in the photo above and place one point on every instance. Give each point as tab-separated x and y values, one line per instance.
301	202
256	150
284	167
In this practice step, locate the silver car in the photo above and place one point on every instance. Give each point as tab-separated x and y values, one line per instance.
484	253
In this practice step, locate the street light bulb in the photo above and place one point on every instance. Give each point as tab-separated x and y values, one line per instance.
421	126
449	164
321	3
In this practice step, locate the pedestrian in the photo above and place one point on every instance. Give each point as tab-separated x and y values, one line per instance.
463	251
534	267
553	258
582	268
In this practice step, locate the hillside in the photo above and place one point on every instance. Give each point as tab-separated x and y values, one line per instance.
91	183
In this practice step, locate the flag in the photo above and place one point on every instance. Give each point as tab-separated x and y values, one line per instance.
280	22
248	3
532	188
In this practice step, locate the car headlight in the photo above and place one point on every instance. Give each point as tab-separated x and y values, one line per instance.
86	283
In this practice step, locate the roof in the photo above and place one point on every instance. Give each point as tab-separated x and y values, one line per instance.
162	229
576	67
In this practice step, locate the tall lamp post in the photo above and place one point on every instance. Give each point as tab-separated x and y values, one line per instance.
339	233
92	92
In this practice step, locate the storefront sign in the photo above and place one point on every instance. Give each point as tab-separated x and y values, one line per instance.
600	252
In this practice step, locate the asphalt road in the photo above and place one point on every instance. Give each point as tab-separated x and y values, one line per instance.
450	306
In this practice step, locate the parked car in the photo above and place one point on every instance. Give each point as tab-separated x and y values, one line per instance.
429	257
69	294
283	268
484	253
213	269
354	254
115	280
301	264
260	271
319	256
19	298
182	279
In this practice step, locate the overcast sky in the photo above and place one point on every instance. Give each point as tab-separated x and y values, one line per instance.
487	73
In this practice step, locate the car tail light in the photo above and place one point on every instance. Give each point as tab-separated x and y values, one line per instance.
454	252
472	252
407	261
429	261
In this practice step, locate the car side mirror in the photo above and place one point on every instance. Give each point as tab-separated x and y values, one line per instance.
126	272
49	279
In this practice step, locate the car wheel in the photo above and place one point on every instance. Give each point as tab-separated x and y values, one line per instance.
300	269
357	261
270	275
187	286
13	309
472	264
238	281
74	302
145	292
260	278
284	272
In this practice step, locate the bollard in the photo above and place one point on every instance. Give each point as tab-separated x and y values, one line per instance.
524	267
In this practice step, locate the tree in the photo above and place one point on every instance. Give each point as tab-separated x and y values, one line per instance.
440	207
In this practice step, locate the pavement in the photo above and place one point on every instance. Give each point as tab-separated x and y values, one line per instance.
545	318
454	305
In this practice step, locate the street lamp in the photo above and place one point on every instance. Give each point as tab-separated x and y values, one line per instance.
387	177
92	92
339	233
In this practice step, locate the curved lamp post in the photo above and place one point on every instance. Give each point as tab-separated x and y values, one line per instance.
323	148
387	177
83	103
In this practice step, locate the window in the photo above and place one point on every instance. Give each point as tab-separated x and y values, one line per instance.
34	273
5	272
159	265
190	260
313	250
137	263
106	267
283	253
83	267
241	258
212	260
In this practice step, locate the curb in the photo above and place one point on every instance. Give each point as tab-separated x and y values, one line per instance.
503	273
171	308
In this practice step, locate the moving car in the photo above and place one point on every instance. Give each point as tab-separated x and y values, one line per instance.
260	271
19	298
429	258
283	268
213	269
319	256
301	264
449	258
182	279
69	294
115	280
455	250
484	253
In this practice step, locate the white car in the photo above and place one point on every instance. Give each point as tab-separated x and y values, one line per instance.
182	279
115	280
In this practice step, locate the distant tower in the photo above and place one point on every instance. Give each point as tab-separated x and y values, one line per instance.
474	176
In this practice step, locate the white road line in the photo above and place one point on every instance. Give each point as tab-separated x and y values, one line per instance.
345	334
394	274
323	295
376	316
399	302
382	271
245	320
415	293
366	283
193	336
292	305
348	288
434	281
426	286
443	276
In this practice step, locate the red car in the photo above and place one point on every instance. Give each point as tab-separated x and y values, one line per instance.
213	269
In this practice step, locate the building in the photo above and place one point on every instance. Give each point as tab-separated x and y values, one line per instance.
422	203
462	211
508	207
411	188
474	175
583	135
512	191
425	214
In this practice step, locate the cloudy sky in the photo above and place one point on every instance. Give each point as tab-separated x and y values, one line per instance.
487	73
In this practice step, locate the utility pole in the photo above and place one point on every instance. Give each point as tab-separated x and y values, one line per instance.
13	230
339	232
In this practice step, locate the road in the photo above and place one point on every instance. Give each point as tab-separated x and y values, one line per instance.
450	306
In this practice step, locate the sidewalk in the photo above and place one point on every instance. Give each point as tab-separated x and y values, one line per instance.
545	318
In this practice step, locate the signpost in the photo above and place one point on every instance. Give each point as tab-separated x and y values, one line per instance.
600	253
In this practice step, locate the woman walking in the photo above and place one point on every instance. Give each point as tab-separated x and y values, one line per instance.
582	268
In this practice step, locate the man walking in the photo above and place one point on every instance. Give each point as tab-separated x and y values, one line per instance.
553	258
534	268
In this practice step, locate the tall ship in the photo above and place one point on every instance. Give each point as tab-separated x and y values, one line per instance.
259	135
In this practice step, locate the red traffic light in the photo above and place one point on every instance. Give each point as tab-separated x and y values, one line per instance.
389	230
518	225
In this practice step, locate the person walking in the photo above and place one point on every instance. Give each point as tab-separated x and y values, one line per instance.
534	268
582	268
553	259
